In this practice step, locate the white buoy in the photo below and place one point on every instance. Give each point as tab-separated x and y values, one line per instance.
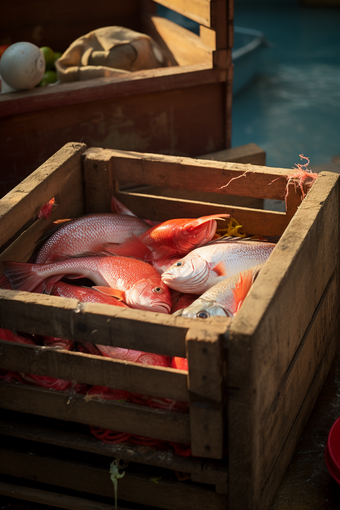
22	67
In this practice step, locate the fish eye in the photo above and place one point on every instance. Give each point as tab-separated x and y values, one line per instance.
157	290
179	263
203	314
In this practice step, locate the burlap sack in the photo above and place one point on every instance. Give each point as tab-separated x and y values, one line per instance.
109	51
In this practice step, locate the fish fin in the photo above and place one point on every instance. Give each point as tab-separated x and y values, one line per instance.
21	276
109	291
132	247
72	276
48	284
204	219
220	269
118	208
163	252
242	287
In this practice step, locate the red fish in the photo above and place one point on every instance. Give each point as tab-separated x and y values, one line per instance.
170	238
136	282
83	294
146	358
179	363
89	233
181	300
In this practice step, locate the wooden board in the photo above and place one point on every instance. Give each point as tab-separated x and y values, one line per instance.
135	486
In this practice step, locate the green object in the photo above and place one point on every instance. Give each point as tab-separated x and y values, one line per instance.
49	77
49	56
57	54
115	475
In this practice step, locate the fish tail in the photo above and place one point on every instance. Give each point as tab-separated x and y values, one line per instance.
22	276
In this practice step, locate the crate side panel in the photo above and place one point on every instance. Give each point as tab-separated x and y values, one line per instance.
130	418
297	397
77	437
166	121
60	173
95	479
273	321
200	175
205	380
97	323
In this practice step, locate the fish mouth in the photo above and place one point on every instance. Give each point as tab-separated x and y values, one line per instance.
161	308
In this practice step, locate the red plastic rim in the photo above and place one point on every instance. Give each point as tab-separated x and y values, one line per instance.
332	451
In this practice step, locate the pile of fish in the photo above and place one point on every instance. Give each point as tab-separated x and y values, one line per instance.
178	267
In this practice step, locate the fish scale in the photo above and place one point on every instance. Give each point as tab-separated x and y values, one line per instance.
90	233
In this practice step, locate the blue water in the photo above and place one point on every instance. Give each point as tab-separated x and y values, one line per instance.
292	106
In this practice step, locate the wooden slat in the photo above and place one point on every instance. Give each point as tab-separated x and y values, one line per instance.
71	436
266	334
63	170
314	360
98	323
181	47
107	414
201	175
89	369
57	499
206	370
197	10
94	478
100	89
98	182
255	222
249	153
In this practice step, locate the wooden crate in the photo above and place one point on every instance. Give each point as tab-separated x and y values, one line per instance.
252	380
182	110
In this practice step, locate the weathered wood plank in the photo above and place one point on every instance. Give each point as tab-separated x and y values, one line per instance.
315	359
100	89
206	375
75	437
181	46
254	222
62	171
199	175
98	323
43	497
89	369
74	474
106	414
197	10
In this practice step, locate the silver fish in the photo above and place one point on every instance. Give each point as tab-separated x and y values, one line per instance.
208	265
224	298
